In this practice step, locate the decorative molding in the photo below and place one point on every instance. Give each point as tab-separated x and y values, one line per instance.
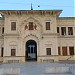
13	56
11	34
60	36
31	35
50	34
39	12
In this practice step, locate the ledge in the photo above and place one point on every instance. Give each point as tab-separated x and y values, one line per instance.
11	34
41	12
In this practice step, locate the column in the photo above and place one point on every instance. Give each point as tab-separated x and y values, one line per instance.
74	47
66	30
0	51
33	49
73	30
60	30
74	39
68	50
61	46
61	50
30	48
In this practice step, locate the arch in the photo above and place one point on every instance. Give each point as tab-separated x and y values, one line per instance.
31	19
31	50
33	36
24	28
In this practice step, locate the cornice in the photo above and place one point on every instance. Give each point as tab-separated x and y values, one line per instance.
65	18
55	34
11	34
66	36
41	12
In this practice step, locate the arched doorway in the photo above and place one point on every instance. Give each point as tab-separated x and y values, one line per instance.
31	50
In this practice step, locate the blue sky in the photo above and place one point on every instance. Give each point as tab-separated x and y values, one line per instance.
66	5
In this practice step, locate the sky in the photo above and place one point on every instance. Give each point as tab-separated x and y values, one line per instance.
66	5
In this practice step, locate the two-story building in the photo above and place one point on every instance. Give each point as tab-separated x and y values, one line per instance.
36	35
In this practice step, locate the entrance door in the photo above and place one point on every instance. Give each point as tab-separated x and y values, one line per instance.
31	50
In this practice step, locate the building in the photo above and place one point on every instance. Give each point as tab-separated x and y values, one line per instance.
40	35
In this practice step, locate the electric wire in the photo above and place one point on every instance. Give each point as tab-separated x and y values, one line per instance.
35	4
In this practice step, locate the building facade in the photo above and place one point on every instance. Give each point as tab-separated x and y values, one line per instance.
36	35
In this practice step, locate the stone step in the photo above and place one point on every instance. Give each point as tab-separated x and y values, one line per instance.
57	70
10	71
34	68
67	61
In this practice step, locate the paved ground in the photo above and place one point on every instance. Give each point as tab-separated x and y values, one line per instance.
34	68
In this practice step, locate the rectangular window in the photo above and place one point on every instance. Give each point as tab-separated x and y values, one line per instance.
48	50
47	25
63	30
2	49
57	29
59	52
13	25
2	30
13	52
70	30
30	25
64	51
71	50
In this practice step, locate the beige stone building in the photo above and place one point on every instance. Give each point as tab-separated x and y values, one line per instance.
36	35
